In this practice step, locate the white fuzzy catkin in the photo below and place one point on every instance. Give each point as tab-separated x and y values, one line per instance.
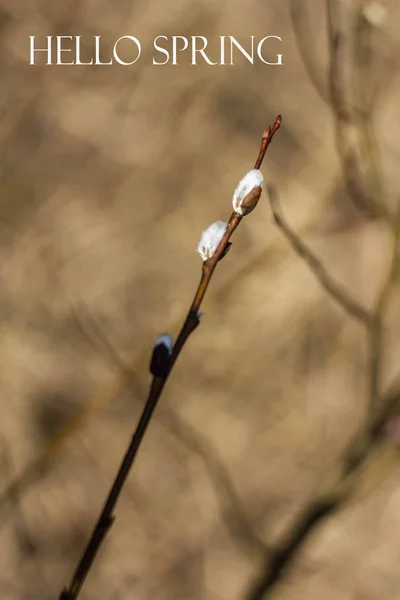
210	239
251	180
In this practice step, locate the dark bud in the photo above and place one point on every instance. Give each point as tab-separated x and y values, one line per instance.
161	358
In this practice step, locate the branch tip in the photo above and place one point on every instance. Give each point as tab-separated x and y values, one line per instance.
266	140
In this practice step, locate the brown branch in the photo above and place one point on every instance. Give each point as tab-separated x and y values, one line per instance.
266	140
342	482
192	320
334	289
336	491
278	559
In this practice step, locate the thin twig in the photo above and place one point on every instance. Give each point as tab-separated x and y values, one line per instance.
192	320
233	511
25	539
278	559
299	15
334	289
344	115
363	100
376	332
335	41
337	489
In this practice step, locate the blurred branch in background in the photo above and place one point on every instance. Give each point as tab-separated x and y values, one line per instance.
344	482
300	25
344	114
367	453
213	246
341	296
352	95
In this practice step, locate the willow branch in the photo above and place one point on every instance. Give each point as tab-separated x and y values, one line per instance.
191	322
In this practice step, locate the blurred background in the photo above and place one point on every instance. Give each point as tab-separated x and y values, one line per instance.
108	176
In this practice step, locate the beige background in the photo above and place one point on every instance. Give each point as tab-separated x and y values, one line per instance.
108	175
